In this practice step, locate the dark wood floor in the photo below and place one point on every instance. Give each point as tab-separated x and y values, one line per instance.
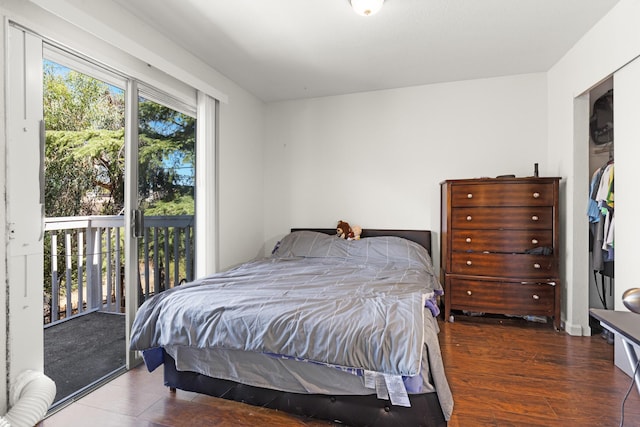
505	373
501	372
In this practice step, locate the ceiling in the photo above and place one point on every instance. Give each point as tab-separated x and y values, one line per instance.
290	49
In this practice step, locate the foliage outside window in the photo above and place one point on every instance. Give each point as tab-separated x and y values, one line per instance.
84	155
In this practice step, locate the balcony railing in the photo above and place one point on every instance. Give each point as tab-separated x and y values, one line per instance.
84	258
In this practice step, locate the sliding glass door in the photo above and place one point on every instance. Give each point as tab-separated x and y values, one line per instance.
101	189
119	186
166	194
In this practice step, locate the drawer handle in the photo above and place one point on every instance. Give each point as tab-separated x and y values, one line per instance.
536	297
469	293
468	240
469	262
469	218
534	218
469	196
536	265
536	195
534	241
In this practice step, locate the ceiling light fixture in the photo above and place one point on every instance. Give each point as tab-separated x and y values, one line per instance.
366	7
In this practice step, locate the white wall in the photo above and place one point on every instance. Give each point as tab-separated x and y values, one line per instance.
376	159
240	178
611	44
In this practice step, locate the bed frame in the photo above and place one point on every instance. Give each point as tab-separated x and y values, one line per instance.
350	410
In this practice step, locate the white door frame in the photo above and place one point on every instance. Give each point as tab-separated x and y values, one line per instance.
24	202
131	278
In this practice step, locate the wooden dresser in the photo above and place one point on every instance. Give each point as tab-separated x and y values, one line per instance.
499	246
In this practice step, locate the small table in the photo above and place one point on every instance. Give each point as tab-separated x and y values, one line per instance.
627	325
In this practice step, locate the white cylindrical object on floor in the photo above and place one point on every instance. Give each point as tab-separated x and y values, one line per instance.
29	399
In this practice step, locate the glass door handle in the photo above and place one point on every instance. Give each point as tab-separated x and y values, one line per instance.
138	223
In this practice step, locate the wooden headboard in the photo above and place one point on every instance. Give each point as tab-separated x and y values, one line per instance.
421	237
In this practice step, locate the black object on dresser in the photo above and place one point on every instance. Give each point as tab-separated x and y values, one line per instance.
499	246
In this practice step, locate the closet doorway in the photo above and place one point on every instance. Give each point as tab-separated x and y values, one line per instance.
601	208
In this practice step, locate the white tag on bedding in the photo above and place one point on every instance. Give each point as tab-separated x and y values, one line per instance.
381	387
397	390
370	379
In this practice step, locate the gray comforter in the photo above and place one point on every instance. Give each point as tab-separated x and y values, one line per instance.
356	304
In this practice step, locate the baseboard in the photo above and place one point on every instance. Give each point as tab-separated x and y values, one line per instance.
577	330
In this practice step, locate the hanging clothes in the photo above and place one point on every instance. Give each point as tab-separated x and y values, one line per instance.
601	211
592	208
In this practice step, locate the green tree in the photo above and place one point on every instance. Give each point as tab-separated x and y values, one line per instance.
84	166
166	144
74	101
84	171
84	161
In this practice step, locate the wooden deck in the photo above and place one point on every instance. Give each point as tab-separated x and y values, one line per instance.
501	372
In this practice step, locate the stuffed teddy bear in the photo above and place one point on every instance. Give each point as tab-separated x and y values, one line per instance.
356	231
343	230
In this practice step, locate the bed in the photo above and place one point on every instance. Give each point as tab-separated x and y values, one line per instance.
324	328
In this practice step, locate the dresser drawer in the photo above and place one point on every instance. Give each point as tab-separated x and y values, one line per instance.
502	297
498	218
504	265
503	194
508	241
